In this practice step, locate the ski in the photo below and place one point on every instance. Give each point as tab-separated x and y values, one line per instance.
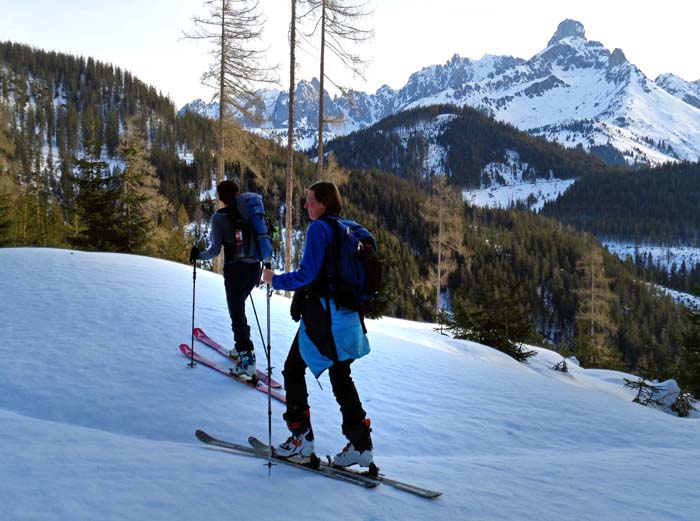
322	470
367	476
258	385
200	335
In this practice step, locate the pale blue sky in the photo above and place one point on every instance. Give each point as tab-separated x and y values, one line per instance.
144	36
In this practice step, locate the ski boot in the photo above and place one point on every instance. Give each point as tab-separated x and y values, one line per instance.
358	450
245	365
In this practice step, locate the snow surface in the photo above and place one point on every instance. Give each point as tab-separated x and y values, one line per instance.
98	410
506	196
508	185
686	299
665	256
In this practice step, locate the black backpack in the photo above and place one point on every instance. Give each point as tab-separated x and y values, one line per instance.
251	239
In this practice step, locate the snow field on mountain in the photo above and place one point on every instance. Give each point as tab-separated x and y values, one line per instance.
98	410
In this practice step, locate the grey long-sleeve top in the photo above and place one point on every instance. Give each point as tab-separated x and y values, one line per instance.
219	228
221	234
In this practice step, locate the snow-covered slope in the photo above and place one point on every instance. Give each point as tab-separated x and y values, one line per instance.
98	410
507	186
688	91
575	92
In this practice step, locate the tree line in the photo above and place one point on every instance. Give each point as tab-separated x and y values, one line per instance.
654	205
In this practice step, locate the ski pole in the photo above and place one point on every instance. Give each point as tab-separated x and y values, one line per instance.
194	283
269	378
257	321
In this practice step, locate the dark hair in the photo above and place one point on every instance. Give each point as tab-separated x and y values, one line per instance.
227	192
328	195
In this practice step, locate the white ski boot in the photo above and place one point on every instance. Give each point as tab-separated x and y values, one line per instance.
351	456
358	451
297	445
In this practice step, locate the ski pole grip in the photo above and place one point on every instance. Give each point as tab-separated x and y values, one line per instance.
268	266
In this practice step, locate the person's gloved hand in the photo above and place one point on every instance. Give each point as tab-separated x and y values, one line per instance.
296	309
194	254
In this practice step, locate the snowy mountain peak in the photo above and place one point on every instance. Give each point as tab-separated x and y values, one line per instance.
201	107
307	88
617	58
575	92
688	91
566	29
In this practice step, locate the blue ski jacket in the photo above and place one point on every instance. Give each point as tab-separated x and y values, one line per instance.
345	326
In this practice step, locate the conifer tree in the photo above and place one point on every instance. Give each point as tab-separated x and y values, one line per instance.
689	357
334	172
443	212
595	326
496	315
8	188
247	155
97	209
142	205
112	132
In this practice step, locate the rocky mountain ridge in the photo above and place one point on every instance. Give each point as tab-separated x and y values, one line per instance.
575	92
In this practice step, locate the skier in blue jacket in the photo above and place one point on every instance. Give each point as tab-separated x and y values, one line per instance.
329	337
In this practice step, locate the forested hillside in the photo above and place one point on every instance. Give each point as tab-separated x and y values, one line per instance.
75	126
540	281
464	140
84	144
656	206
579	296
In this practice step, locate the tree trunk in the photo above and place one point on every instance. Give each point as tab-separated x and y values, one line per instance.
592	291
220	141
289	205
319	172
439	260
218	264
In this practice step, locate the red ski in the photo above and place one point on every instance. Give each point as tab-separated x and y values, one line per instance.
200	335
258	386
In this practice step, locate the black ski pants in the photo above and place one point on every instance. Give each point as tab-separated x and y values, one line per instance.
343	386
239	280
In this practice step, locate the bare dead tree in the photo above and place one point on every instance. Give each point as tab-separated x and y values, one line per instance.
338	25
289	204
232	27
646	393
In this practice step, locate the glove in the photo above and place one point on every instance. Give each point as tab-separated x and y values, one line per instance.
296	309
194	254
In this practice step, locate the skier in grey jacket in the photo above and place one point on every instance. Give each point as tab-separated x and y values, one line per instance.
241	275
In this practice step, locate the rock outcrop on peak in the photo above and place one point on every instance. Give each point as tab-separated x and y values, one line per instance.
566	29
